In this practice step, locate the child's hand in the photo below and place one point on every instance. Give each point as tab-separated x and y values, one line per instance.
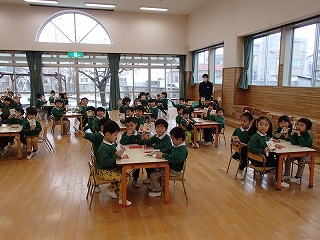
118	153
10	116
298	133
80	133
278	135
293	132
236	143
187	123
159	155
129	133
266	150
32	128
286	135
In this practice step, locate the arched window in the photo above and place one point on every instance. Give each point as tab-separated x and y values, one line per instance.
73	27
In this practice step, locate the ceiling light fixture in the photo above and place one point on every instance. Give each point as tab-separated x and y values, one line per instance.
154	9
42	1
100	5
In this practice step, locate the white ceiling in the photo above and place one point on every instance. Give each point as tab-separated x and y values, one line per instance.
180	7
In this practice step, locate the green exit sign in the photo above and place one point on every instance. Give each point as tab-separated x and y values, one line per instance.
75	54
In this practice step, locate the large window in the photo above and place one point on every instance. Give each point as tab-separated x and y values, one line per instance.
73	27
265	59
305	62
209	61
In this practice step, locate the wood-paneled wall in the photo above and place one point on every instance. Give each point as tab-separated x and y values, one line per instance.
191	92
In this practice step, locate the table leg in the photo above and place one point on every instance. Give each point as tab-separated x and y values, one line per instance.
166	184
61	124
279	177
81	123
217	136
313	156
19	146
195	130
124	186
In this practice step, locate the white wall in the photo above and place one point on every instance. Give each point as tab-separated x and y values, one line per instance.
143	33
226	21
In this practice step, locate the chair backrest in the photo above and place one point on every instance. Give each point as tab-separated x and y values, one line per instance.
235	148
257	157
180	177
93	158
222	130
92	171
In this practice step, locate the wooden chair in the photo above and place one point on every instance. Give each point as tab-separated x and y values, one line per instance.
296	163
224	137
54	124
233	150
260	158
43	138
93	181
181	179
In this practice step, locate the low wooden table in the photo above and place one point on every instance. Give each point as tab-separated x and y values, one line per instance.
12	130
138	159
71	115
201	123
50	105
290	150
198	111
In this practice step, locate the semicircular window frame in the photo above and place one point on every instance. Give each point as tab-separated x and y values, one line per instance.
54	29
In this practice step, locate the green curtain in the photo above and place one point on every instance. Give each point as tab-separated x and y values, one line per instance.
182	84
34	60
248	48
114	60
192	83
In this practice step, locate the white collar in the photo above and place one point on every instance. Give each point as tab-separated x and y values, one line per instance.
262	135
101	133
108	143
244	130
155	107
98	117
162	136
181	144
135	133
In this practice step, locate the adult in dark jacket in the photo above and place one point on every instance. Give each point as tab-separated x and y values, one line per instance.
205	88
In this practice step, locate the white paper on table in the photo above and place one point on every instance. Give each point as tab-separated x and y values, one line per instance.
76	124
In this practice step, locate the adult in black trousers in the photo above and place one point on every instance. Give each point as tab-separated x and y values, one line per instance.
205	88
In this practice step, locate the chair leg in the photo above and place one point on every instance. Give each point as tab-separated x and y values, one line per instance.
92	187
229	164
185	192
89	186
235	177
224	137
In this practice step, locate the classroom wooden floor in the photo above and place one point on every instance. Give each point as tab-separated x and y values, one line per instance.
45	198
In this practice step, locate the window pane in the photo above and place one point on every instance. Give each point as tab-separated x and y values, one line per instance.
49	59
172	79
218	65
91	98
125	60
50	79
102	99
157	61
126	79
65	59
5	81
302	55
20	58
68	78
203	65
317	75
172	61
22	79
140	60
158	80
141	80
25	99
5	58
86	80
102	60
265	60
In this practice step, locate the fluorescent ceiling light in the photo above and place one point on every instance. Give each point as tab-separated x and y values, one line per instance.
100	5
154	9
42	1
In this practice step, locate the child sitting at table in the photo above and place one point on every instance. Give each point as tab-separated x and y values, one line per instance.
107	156
52	97
299	136
138	112
125	104
153	109
243	136
180	115
129	113
17	118
159	141
57	112
90	111
40	100
209	132
82	108
100	113
180	103
260	132
5	108
187	124
284	128
189	106
143	99
163	103
176	156
31	128
131	136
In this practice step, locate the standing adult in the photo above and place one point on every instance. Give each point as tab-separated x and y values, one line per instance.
205	88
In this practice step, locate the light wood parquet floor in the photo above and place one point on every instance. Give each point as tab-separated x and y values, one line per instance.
44	198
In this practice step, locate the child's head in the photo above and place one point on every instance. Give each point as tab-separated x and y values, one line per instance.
53	93
181	101
91	111
207	101
142	96
284	122
263	125
147	95
58	103
31	113
102	122
84	101
177	136
65	95
210	106
186	113
220	112
100	111
304	124
245	120
131	124
129	112
110	131
180	110
126	101
10	94
152	102
163	95
158	96
39	95
7	101
61	95
188	100
136	102
161	126
19	111
139	110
